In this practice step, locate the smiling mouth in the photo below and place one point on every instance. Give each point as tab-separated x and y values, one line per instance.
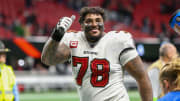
94	30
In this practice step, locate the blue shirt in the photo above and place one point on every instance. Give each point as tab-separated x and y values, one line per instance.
15	92
171	96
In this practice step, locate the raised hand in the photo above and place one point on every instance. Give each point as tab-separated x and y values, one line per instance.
62	26
65	22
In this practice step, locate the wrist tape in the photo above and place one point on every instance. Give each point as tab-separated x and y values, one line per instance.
57	34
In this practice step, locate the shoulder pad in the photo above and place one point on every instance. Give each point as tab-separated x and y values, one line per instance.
124	32
111	31
120	32
9	66
72	31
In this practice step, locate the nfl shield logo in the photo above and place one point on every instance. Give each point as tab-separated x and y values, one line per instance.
73	44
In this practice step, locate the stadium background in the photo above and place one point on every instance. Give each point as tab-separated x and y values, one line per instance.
26	24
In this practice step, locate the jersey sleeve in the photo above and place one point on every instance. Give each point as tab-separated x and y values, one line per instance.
128	51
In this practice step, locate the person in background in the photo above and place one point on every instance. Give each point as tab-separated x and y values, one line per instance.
8	85
98	58
174	21
167	52
170	81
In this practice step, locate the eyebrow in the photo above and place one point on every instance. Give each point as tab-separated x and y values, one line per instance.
98	18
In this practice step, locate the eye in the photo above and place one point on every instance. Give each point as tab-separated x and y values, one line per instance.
88	20
178	18
98	20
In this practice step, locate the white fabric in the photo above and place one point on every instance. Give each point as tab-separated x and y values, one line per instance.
154	78
65	22
128	56
108	48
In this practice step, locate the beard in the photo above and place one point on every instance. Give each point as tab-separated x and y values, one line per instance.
91	38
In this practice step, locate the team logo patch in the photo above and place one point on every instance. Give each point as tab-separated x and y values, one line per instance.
73	44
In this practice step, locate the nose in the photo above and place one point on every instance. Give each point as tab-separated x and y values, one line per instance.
94	23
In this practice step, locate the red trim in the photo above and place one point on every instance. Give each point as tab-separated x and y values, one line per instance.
73	44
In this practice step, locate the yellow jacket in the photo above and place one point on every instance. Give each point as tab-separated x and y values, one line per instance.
7	81
157	64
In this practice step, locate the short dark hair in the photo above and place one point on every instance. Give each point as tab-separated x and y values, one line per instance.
94	10
173	15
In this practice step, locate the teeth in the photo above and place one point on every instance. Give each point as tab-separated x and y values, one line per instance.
94	30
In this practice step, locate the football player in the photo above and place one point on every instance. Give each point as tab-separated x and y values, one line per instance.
98	58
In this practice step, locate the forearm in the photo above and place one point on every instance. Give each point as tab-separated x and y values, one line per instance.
145	89
54	53
136	69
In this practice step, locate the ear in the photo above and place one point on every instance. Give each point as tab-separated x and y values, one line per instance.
166	83
166	86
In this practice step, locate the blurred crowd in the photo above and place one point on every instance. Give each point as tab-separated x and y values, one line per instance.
121	14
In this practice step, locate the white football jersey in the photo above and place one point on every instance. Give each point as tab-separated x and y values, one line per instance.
98	70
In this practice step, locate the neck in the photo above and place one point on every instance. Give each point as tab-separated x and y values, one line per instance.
92	44
164	60
94	40
2	63
175	88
